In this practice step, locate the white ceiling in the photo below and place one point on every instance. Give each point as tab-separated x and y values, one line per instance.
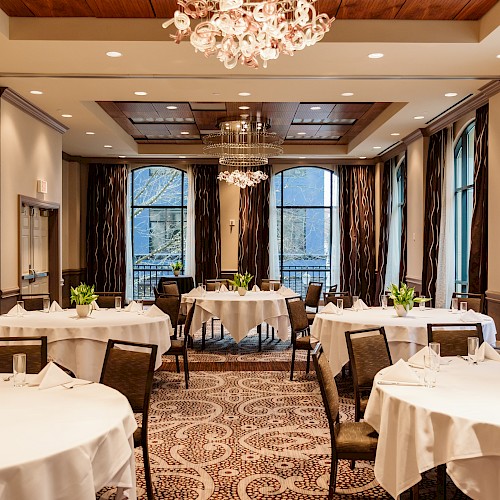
65	58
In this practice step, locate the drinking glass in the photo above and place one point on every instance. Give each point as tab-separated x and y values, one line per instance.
217	286
140	303
421	305
384	301
463	306
340	305
355	298
118	303
435	347
19	369
472	347
230	288
271	286
431	363
454	304
46	305
204	289
20	308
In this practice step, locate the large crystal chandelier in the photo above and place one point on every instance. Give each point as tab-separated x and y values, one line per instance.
243	143
243	31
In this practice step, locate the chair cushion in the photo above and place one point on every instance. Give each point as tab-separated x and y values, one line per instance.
137	437
176	346
303	342
356	437
310	317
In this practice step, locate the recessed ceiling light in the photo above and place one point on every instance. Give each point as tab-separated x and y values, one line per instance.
315	108
67	116
498	56
89	133
182	157
301	133
184	133
140	93
451	94
244	107
121	156
113	53
418	117
215	93
362	157
377	147
347	94
108	146
395	133
244	94
171	107
376	55
302	157
36	92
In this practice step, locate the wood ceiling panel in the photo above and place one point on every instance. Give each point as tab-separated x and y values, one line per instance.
349	110
58	8
140	111
164	8
154	129
431	9
176	130
304	111
15	8
310	131
182	113
475	10
369	9
281	115
121	8
255	111
329	7
334	129
207	120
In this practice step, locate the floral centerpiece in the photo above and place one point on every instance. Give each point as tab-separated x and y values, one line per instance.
83	296
404	298
241	282
177	267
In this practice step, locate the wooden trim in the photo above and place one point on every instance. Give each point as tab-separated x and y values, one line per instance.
8	299
414	136
34	111
415	283
35	202
73	272
9	292
399	148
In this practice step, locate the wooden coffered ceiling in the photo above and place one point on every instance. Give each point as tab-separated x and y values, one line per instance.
341	9
296	122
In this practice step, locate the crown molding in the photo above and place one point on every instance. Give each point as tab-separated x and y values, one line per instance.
414	136
34	111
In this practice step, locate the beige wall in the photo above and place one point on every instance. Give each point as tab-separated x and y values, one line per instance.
229	209
29	150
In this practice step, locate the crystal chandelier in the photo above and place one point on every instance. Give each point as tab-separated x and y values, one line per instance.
242	178
243	31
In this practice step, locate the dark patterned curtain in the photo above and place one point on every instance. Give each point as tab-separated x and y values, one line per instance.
207	222
478	260
106	227
385	224
357	234
404	222
253	248
432	215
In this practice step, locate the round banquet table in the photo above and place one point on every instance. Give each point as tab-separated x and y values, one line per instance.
80	343
405	335
59	443
457	423
239	314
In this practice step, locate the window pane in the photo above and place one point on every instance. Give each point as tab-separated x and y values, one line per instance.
158	186
306	186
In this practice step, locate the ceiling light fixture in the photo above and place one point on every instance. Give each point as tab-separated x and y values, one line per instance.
315	108
362	157
184	133
140	93
244	30
244	107
420	117
89	133
376	55
108	146
171	107
243	143
347	94
395	133
67	116
244	94
301	133
451	94
377	147
36	92
121	156
113	54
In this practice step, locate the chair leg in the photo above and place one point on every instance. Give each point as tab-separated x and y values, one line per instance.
333	478
221	330
272	333
177	364
441	482
414	492
203	335
186	368
259	332
212	327
353	464
147	471
293	362
308	361
267	331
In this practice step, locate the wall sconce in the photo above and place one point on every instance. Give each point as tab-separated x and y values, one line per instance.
231	225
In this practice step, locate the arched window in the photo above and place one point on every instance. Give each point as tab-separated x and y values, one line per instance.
307	216
158	218
464	194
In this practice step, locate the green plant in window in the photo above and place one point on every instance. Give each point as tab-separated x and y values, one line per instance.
177	266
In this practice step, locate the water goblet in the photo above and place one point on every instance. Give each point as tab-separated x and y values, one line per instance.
454	304
463	306
340	306
140	303
384	302
421	305
472	347
118	304
431	363
19	369
435	347
46	304
20	308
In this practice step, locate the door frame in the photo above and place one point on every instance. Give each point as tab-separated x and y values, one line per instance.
54	242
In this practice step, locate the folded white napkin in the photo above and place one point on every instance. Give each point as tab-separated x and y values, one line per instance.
195	292
133	307
51	376
223	288
255	288
485	351
399	374
286	292
55	307
154	311
471	317
359	305
418	361
17	310
330	308
94	305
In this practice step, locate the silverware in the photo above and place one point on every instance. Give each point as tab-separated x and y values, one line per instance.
6	379
72	385
390	382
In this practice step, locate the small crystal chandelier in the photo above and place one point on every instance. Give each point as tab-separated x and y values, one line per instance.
243	31
242	178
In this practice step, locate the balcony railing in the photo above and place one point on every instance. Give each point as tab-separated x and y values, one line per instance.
298	277
146	277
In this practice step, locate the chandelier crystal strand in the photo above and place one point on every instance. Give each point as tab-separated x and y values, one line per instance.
242	31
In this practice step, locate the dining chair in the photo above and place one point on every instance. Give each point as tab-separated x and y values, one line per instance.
301	336
475	301
107	299
170	291
368	354
35	349
349	440
453	336
179	347
333	288
170	288
34	301
312	299
265	286
333	296
131	373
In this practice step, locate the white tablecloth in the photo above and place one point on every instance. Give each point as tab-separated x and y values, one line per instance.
80	343
60	444
239	314
457	422
405	335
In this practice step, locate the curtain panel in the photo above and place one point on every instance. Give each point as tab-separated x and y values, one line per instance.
478	259
207	222
106	227
404	222
432	216
385	224
253	243
357	231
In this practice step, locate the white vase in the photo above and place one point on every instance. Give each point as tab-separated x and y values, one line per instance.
401	310
242	290
176	273
83	310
